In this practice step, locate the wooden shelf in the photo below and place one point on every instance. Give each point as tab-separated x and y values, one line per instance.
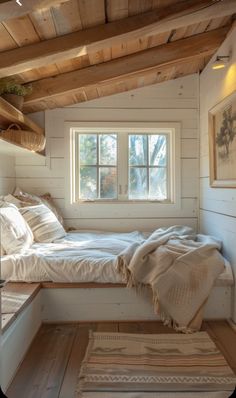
9	114
12	149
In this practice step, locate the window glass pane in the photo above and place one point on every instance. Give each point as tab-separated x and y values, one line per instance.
157	183
138	183
108	182
137	150
88	182
108	149
88	149
157	150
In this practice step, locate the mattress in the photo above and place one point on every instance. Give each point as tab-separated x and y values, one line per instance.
81	256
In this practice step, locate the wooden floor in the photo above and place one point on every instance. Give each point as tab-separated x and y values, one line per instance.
51	367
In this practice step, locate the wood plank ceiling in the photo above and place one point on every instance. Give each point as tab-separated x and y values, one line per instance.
107	46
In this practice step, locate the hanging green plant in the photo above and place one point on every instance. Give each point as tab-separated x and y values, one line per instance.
12	87
14	92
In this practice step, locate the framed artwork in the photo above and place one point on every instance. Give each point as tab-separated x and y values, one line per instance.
222	143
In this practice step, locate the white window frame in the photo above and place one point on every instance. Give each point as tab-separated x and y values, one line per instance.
172	128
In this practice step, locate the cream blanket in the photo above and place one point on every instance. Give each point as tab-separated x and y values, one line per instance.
180	267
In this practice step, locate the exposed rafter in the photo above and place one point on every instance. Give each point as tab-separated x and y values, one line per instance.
170	54
10	8
97	38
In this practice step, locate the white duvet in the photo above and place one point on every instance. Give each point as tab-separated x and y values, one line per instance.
81	256
78	257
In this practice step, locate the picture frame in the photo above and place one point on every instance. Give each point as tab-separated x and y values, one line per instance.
222	143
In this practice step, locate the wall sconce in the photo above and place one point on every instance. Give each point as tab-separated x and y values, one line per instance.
220	61
19	2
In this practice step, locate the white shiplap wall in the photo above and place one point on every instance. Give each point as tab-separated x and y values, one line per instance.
7	173
217	205
174	101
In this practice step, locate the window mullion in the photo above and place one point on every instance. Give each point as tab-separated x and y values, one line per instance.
98	171
148	183
122	165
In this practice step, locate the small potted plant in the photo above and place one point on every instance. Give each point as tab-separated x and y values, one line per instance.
14	92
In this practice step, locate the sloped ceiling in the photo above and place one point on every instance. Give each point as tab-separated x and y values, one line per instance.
75	50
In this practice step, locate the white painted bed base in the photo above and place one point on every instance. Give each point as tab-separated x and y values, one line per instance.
16	340
87	304
107	304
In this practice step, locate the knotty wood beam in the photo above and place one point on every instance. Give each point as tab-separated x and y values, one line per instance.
10	9
170	54
99	37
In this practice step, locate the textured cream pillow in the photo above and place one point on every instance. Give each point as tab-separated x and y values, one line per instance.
16	235
43	223
23	199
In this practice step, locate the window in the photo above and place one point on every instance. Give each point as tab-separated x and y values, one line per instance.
124	164
97	159
148	166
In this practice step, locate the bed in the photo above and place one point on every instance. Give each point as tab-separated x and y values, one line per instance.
93	256
81	256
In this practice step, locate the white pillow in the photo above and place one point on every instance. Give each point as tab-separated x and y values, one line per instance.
16	235
43	223
3	204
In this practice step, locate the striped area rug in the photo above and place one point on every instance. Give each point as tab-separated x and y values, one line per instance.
154	365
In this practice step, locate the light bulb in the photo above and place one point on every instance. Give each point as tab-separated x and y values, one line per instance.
220	62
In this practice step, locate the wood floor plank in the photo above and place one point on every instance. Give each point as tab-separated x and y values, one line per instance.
107	327
225	339
155	327
144	327
129	327
78	352
51	367
42	371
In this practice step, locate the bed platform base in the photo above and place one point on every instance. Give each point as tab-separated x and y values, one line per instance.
96	302
80	302
69	302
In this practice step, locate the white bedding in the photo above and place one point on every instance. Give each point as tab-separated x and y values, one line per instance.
81	256
78	257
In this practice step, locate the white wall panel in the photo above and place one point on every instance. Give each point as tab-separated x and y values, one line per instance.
174	101
217	205
7	174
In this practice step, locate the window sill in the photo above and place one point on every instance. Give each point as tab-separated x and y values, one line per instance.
131	202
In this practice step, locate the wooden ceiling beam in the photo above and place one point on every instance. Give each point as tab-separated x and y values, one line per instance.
169	54
97	38
10	9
